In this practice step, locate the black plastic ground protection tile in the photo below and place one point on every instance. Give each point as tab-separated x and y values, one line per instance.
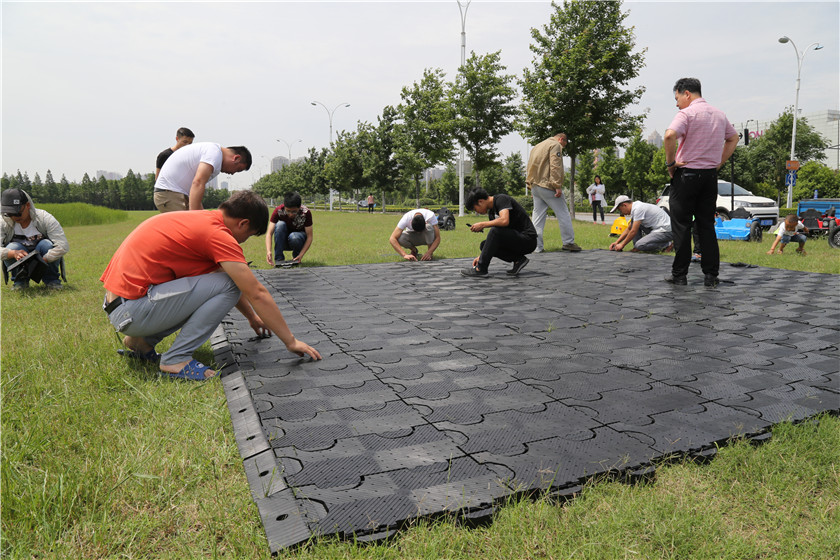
439	384
689	431
388	500
309	402
557	462
508	432
468	406
691	326
789	403
636	404
588	386
735	382
329	428
549	369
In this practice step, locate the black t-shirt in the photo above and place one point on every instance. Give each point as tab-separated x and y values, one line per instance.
162	157
519	219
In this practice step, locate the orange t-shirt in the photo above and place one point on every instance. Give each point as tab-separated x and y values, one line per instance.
170	246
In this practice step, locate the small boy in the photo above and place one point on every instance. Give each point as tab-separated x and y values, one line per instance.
790	230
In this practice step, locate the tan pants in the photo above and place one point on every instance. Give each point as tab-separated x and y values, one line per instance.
170	201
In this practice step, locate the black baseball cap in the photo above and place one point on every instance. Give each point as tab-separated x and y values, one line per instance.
13	201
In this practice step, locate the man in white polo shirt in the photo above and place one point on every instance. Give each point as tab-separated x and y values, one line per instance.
184	176
650	226
416	228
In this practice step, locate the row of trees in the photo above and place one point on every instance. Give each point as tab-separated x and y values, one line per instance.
584	60
758	167
133	192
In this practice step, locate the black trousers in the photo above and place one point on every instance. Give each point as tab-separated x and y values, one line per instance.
596	205
507	244
693	198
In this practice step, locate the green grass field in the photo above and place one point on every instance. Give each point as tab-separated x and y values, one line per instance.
103	459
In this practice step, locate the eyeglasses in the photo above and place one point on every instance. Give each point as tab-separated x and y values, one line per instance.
12	214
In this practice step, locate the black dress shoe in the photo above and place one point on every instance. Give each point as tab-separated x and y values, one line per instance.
710	280
676	280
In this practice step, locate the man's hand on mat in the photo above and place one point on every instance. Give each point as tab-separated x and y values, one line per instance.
300	348
259	327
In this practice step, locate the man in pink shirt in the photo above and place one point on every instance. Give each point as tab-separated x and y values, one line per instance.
706	140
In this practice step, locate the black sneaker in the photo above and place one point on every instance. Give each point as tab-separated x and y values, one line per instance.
474	272
676	280
710	280
518	266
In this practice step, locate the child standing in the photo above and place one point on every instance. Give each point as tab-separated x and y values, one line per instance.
790	230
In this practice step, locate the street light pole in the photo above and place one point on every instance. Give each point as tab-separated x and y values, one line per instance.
463	9
330	116
799	61
289	146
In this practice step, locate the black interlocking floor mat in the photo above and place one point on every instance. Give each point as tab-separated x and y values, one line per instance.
440	393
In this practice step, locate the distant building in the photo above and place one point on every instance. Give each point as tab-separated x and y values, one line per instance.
825	122
213	183
278	163
109	175
225	186
655	139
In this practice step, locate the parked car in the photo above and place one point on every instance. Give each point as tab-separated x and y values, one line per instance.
763	209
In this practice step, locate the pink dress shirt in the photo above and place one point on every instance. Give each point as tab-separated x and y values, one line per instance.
702	131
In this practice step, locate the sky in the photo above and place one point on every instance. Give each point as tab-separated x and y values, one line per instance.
105	85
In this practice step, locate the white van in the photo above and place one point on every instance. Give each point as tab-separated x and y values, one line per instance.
765	209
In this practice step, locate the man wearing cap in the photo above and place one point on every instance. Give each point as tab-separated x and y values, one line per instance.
650	226
25	229
184	177
545	179
416	228
706	140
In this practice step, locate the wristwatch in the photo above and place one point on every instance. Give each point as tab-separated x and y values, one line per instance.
670	164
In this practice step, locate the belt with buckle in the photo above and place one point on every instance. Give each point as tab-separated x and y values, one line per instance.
116	302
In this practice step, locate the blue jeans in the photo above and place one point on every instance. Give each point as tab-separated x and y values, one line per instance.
50	275
195	304
284	241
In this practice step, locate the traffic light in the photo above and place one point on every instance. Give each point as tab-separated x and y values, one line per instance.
746	137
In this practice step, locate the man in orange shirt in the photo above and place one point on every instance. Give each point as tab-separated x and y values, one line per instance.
186	270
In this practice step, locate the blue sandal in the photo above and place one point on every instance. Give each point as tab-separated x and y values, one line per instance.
151	356
194	371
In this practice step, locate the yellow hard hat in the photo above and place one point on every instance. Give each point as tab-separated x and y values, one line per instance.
618	226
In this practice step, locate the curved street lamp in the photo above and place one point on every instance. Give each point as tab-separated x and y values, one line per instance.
330	116
463	9
289	146
799	61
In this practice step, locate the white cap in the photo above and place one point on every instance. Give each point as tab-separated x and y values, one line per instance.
619	200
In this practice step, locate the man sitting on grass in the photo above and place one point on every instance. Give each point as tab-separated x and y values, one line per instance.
650	227
24	230
511	236
790	230
186	270
416	228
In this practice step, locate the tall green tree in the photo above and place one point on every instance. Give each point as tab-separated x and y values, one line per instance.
611	171
817	176
64	190
514	174
657	174
343	168
376	146
425	134
482	99
580	83
637	162
585	171
50	188
769	153
37	192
